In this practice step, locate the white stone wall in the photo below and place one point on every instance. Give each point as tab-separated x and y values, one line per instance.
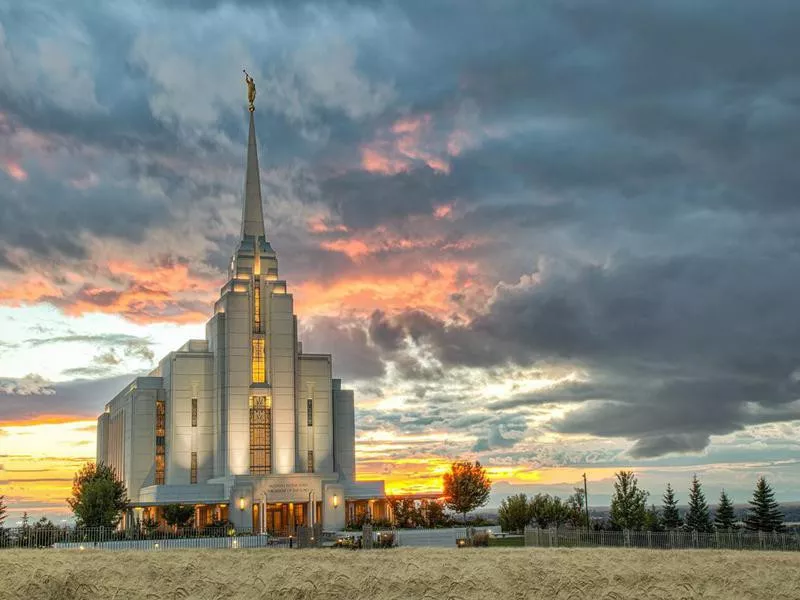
314	372
141	438
191	377
345	434
237	348
102	438
215	334
281	368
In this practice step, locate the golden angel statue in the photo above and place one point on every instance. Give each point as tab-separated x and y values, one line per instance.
251	89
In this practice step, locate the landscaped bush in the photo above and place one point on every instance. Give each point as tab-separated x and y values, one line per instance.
381	524
481	539
385	539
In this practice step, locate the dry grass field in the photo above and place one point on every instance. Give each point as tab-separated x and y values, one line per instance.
403	573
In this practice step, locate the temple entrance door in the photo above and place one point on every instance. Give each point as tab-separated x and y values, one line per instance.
276	519
284	518
300	510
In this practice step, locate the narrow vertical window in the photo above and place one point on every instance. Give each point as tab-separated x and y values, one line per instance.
194	412
257	306
310	461
193	474
260	449
258	369
161	432
310	412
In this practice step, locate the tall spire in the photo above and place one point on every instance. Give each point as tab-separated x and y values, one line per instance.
252	213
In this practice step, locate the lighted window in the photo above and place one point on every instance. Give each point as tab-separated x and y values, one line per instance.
310	461
310	412
257	306
260	449
193	474
161	430
194	412
259	359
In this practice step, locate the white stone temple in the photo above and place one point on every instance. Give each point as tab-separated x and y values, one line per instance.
242	425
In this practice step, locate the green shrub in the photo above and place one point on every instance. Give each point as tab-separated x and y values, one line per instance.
481	539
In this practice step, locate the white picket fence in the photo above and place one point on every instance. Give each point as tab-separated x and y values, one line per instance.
664	540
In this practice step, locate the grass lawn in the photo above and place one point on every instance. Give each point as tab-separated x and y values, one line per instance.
507	542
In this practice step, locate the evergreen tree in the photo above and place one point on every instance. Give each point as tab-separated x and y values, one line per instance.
764	513
653	520
725	518
670	517
629	503
698	518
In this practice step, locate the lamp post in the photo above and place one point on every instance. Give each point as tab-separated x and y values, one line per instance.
586	502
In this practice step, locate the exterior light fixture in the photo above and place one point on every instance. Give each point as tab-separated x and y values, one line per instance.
335	501
241	503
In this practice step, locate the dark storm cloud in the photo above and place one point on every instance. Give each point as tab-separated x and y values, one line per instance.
505	431
76	398
353	357
680	348
636	160
129	345
384	334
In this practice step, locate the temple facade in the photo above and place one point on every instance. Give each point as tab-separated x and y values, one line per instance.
243	425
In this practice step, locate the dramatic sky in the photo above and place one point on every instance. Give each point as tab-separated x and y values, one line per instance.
556	236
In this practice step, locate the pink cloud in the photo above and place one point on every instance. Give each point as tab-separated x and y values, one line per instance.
15	171
443	211
407	141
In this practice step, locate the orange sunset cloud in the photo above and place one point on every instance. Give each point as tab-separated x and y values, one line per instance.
142	294
427	288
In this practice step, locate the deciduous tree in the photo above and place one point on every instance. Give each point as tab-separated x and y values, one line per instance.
179	515
629	503
99	498
433	515
576	505
3	510
466	487
405	511
515	513
764	513
540	510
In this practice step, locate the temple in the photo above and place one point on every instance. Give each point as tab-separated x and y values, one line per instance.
243	425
